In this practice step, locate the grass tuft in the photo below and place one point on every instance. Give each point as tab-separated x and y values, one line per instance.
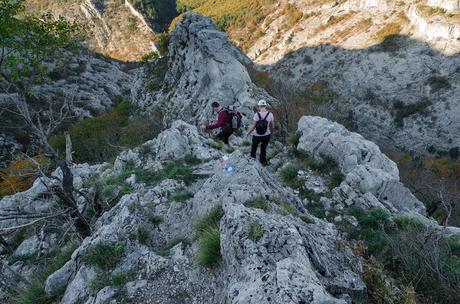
259	203
103	255
181	196
210	220
209	250
255	231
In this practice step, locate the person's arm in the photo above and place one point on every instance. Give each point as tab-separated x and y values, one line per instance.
272	124
251	128
220	121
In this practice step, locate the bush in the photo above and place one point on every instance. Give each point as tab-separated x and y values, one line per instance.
402	111
289	173
101	138
104	256
412	252
143	235
192	160
209	249
156	220
255	231
18	176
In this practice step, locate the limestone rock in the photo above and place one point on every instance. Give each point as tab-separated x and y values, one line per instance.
366	169
203	67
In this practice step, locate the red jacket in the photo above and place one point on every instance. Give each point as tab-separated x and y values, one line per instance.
222	120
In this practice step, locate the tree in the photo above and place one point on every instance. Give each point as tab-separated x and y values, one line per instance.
28	44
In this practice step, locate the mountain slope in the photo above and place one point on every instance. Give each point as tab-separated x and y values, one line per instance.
176	225
114	28
389	68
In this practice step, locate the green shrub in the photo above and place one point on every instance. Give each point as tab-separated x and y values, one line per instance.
210	220
415	254
401	111
294	139
306	218
317	209
101	138
311	195
143	235
209	249
245	143
289	173
181	196
103	255
192	160
259	203
119	279
155	220
255	231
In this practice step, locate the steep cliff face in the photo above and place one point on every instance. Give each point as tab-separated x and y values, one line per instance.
450	5
114	28
400	90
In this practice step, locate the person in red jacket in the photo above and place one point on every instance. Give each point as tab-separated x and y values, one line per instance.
223	122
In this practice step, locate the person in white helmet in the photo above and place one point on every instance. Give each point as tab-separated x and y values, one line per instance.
261	129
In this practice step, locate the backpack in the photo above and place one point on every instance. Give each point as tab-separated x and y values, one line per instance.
262	124
234	119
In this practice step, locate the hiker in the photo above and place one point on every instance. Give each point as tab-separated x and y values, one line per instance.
262	127
228	120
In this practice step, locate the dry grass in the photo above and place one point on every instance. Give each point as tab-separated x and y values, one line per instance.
360	27
388	30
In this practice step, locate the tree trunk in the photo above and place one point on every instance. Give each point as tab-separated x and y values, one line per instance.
68	148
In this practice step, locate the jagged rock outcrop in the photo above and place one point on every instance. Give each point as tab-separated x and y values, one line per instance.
450	5
114	28
435	27
295	259
371	178
203	66
366	4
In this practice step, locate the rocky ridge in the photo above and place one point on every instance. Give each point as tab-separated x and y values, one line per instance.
297	257
203	66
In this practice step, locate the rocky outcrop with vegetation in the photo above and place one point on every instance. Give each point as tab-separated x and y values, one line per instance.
182	218
117	29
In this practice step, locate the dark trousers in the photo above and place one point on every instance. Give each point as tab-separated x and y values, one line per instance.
223	136
256	140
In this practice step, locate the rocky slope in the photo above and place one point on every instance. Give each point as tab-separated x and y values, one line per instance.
296	258
91	83
392	66
114	28
401	91
144	246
